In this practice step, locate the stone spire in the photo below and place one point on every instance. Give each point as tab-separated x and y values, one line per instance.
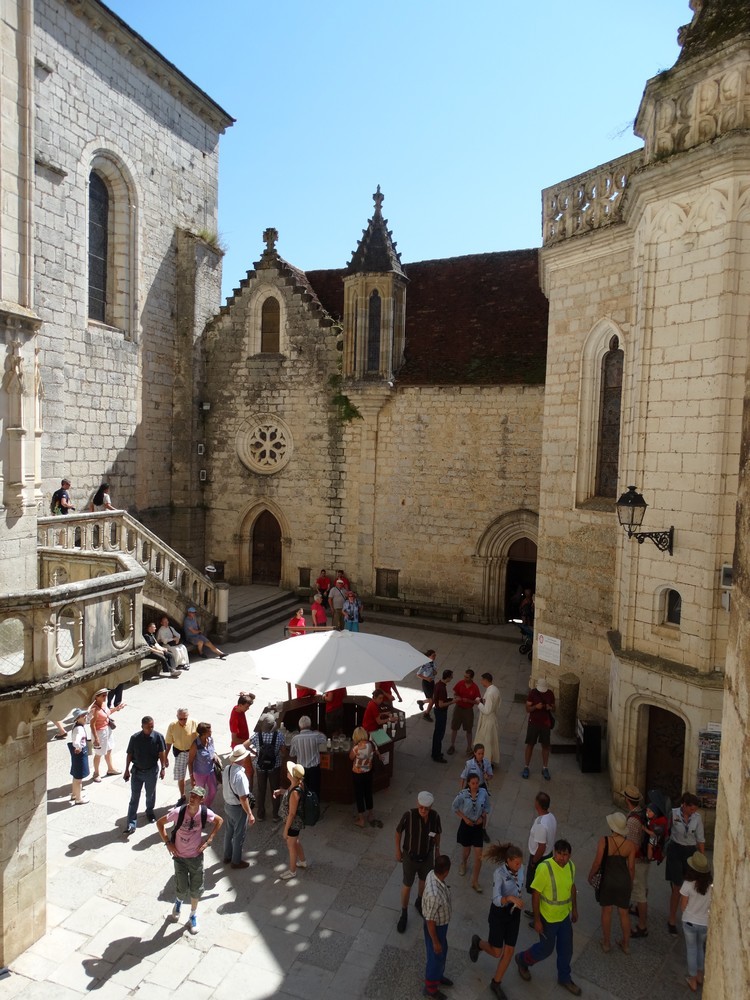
714	23
376	251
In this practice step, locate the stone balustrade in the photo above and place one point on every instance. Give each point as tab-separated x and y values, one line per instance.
61	635
172	582
591	200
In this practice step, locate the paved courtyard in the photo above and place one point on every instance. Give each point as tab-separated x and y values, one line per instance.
330	933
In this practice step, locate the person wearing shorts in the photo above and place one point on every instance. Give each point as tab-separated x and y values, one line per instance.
417	844
180	737
505	912
540	705
466	695
102	733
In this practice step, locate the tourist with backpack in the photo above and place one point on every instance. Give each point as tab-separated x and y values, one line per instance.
237	807
267	746
186	845
292	815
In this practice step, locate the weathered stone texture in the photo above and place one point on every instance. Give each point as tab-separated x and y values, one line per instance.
110	392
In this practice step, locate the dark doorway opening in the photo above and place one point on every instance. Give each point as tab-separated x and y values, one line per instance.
520	574
266	550
665	756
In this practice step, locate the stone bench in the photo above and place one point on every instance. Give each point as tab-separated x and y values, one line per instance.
416	608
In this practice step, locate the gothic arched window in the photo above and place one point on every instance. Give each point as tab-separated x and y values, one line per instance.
610	400
270	326
374	312
98	247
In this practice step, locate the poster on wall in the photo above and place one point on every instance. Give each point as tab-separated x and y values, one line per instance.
548	649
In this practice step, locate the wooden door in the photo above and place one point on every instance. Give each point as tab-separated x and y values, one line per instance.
266	550
665	757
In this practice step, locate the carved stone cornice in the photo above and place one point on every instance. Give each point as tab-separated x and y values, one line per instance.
143	55
18	318
696	102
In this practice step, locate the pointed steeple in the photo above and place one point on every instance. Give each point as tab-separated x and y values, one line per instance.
376	251
715	22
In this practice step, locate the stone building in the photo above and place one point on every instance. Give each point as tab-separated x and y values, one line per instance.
382	418
109	270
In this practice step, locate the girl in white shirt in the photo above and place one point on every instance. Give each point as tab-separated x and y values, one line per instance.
695	900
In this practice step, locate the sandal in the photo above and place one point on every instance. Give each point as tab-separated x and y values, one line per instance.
477	888
113	772
97	778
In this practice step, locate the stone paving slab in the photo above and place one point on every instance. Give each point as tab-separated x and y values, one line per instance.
330	934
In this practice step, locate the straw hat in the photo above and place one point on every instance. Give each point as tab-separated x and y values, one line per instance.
617	823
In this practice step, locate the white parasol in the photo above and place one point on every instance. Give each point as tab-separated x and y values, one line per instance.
329	660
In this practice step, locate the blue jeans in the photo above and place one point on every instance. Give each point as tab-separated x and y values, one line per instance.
695	945
558	935
235	824
351	626
441	721
435	967
137	780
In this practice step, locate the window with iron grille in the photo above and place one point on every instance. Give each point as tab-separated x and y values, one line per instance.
98	247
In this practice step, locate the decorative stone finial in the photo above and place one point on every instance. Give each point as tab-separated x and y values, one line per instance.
270	237
378	199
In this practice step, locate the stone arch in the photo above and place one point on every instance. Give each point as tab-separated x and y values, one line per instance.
247	523
596	346
492	553
254	322
633	737
122	266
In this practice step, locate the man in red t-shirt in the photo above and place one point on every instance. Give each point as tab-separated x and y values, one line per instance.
466	695
323	583
540	705
335	710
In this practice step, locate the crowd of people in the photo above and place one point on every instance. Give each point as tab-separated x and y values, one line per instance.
329	599
253	778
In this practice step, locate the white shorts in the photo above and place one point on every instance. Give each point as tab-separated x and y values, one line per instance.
106	738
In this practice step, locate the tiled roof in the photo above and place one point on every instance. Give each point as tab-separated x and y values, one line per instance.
479	319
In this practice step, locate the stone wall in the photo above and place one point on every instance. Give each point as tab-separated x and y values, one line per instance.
23	846
411	485
109	400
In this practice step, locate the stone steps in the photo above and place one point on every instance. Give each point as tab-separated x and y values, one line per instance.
275	609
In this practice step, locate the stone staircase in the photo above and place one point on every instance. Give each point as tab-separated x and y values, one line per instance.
254	608
171	583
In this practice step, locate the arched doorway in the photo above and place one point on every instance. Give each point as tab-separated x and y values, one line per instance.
520	573
506	552
665	752
266	550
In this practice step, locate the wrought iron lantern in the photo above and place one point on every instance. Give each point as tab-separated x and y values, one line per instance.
631	509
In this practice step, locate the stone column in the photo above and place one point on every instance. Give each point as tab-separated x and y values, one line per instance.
23	828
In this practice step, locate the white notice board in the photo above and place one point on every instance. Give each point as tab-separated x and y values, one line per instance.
548	649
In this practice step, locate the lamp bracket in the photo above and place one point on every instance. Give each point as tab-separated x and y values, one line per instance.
663	540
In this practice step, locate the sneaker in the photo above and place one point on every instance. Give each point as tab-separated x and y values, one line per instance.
525	773
497	989
639	932
287	875
193	923
545	774
451	750
523	970
174	916
440	760
302	864
572	987
474	947
401	925
240	864
180	802
130	829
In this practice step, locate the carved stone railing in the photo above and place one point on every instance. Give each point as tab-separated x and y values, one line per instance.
590	201
63	635
172	583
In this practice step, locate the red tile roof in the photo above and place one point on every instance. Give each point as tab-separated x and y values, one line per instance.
479	319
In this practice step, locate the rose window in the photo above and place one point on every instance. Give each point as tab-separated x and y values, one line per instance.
265	446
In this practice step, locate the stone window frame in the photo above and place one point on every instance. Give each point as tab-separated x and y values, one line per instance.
595	348
122	242
254	327
661	627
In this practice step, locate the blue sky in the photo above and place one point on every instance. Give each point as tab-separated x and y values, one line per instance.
462	113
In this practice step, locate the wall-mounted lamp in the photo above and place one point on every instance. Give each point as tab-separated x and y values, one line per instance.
631	509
